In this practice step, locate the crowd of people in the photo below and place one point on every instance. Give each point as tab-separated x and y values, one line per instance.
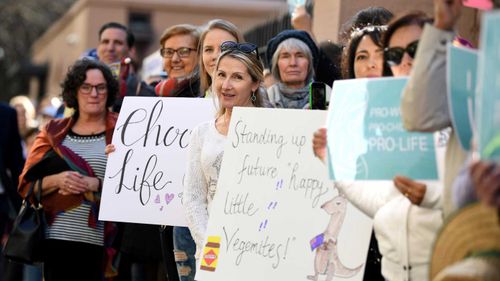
67	159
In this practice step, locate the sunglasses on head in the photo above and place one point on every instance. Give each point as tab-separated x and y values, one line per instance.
247	48
394	55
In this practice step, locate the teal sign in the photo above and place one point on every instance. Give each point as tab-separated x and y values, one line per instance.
488	95
366	138
461	76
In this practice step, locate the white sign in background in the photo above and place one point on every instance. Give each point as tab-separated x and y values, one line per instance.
276	215
144	176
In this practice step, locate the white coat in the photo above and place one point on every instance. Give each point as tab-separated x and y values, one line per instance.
405	232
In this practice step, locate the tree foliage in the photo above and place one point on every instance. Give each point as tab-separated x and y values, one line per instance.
21	23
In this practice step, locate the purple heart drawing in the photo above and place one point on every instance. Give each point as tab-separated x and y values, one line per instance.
157	200
169	197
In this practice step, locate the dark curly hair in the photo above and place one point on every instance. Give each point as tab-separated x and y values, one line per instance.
369	16
77	73
374	32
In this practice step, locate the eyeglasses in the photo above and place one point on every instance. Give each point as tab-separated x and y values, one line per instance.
183	52
247	48
101	89
394	55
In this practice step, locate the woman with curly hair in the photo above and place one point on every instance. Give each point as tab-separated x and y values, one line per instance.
68	159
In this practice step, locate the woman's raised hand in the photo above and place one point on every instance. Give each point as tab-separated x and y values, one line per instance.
301	20
446	13
414	191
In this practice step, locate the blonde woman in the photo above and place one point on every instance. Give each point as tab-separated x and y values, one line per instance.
216	32
238	77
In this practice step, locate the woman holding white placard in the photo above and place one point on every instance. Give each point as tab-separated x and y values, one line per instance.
237	80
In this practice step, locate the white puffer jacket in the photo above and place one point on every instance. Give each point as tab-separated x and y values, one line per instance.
405	232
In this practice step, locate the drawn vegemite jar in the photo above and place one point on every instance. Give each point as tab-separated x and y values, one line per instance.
210	254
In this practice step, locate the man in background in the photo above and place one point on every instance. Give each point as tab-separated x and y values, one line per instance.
115	43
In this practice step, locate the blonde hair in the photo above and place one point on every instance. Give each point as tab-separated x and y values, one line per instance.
205	78
255	69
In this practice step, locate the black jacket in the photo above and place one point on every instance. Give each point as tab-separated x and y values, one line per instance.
11	161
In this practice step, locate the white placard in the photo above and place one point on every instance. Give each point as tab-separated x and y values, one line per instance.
276	215
144	176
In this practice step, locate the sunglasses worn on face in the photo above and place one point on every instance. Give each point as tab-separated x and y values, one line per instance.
394	55
101	89
247	48
183	52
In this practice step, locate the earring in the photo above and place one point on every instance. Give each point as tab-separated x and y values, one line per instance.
253	97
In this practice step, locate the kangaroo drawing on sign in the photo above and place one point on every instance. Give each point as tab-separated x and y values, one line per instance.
326	261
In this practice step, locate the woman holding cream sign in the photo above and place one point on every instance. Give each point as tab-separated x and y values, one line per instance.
237	80
406	252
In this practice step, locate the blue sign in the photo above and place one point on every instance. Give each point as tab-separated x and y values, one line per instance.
366	138
461	81
488	95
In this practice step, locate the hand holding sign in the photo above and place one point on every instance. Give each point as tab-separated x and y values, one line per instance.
301	20
110	148
319	144
446	13
269	183
414	191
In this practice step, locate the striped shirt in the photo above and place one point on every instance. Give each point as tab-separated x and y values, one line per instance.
72	225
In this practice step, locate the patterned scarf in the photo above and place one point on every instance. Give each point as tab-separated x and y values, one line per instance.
77	163
171	87
293	98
